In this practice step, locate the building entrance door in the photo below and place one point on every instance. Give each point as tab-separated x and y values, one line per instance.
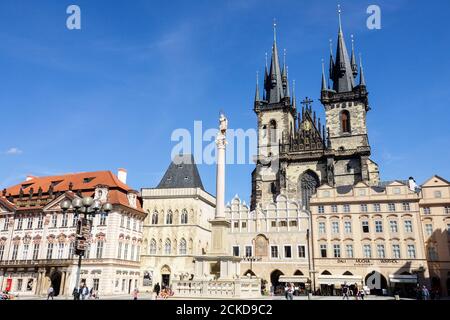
55	279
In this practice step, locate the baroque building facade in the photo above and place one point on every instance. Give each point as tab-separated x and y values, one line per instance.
296	153
37	238
177	227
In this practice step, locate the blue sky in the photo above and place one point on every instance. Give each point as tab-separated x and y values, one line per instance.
110	95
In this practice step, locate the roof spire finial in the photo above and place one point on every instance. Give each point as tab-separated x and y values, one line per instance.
274	30
257	87
362	80
266	61
353	59
324	80
340	20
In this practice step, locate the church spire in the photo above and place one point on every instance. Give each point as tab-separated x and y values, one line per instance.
294	100
324	79
275	90
362	78
257	87
343	80
353	59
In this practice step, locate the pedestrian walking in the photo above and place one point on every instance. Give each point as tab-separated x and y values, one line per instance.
157	290
76	293
289	292
425	293
135	293
84	292
345	290
50	293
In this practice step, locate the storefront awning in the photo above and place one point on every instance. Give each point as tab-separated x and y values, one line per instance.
339	280
397	278
293	279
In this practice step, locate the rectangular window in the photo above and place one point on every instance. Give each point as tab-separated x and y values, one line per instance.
273	224
432	254
15	252
288	252
323	250
19	223
391	207
408	226
125	252
429	229
96	284
248	251
123	284
71	250
49	251
236	225
349	250
346	208
348	227
396	251
236	251
381	252
301	252
134	224
377	207
54	220
103	219
74	220
6	224
122	218
438	194
321	227
411	251
337	250
378	226
244	225
447	210
36	251
406	206
25	251
61	247
335	227
283	223
99	253
64	220
119	251
394	226
2	251
367	251
128	222
365	226
334	208
30	223
132	252
19	284
40	222
364	208
274	252
321	209
293	223
426	210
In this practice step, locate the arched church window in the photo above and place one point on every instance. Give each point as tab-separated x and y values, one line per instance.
183	246
153	246
168	247
169	217
273	131
184	217
345	121
155	217
309	182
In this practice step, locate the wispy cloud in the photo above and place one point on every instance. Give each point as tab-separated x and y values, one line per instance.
389	158
13	151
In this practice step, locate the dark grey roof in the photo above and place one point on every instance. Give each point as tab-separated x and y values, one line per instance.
182	173
344	189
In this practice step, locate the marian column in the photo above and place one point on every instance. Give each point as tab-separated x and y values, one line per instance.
221	143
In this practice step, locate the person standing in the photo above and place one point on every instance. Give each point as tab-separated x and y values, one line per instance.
425	293
50	293
84	292
157	290
76	293
345	290
289	292
135	293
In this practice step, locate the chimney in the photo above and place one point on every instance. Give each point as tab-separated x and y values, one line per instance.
412	184
30	177
122	175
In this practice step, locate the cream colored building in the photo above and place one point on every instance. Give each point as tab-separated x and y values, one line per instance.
435	216
37	238
272	241
369	236
177	227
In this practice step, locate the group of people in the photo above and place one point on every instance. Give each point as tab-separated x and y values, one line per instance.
347	292
164	292
84	293
422	293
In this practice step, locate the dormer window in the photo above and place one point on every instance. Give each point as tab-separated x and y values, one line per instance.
132	197
87	180
101	193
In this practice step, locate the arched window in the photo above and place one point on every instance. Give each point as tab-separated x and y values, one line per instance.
155	217
273	131
168	247
169	217
183	246
309	182
345	121
184	217
153	247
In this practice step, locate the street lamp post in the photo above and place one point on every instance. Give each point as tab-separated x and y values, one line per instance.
84	207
